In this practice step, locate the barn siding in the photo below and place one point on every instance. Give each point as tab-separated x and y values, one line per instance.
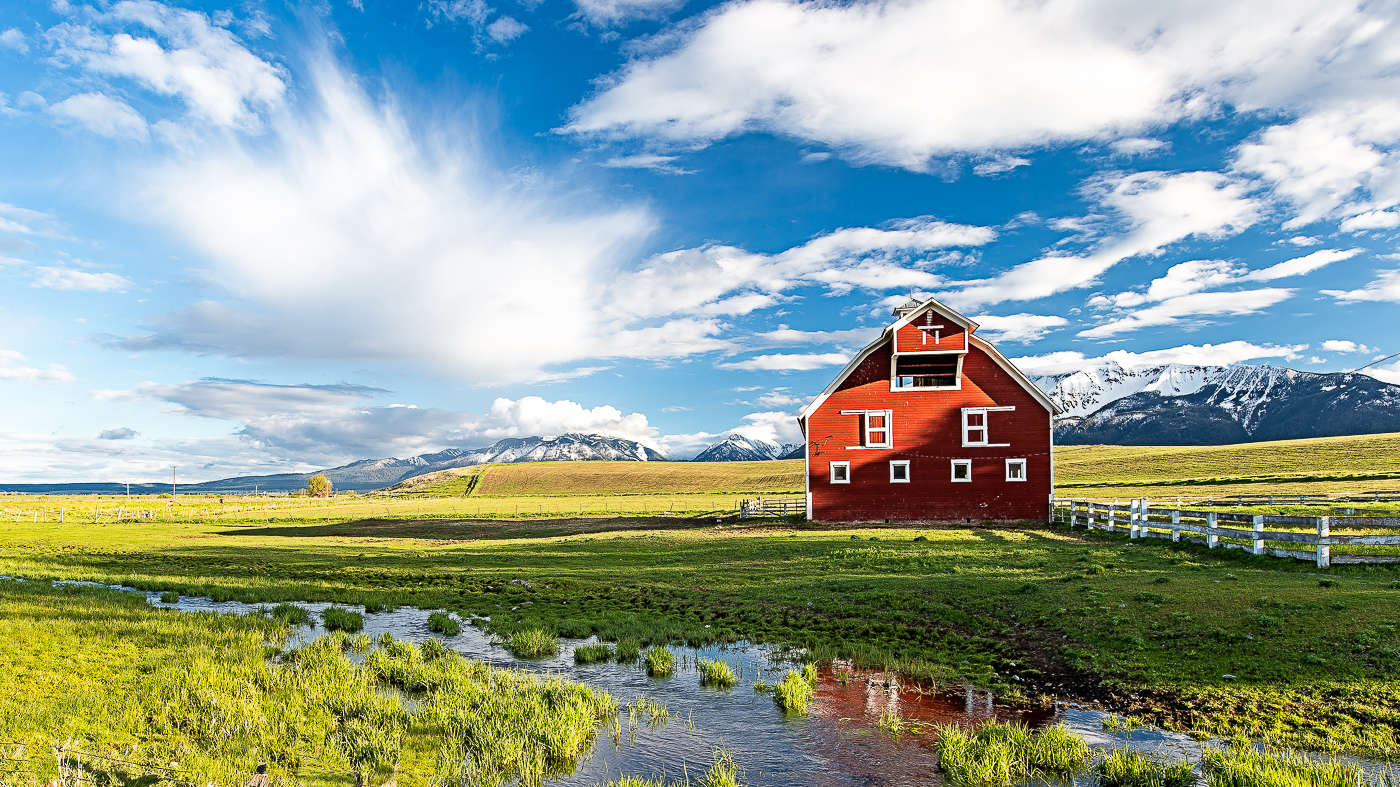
952	338
928	433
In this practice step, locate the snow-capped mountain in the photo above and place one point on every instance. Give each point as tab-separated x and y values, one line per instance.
1177	404
737	448
565	448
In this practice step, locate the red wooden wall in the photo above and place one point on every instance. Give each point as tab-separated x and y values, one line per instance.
910	338
928	432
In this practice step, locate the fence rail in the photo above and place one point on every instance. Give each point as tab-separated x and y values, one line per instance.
1139	519
772	506
1277	499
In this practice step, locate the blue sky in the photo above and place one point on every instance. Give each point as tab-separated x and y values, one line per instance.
263	237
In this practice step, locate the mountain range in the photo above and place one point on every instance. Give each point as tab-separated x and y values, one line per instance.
737	448
1179	404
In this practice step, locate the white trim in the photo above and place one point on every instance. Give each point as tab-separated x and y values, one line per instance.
865	429
986	426
904	463
831	471
954	471
1024	469
894	373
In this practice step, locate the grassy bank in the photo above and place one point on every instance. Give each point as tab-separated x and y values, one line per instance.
1221	643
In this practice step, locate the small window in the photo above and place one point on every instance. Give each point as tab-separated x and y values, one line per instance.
877	429
899	472
962	470
974	427
926	371
840	472
1015	470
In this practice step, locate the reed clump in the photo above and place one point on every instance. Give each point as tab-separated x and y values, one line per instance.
443	623
169	597
1123	768
1246	767
340	619
628	651
533	643
292	615
793	693
1000	755
660	662
590	654
714	672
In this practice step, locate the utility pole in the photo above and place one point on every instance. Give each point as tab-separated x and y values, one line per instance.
172	480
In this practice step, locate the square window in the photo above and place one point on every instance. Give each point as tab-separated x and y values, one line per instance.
840	472
962	470
1015	470
899	472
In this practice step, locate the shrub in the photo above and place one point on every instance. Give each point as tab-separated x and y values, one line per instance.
717	673
920	538
443	623
793	693
533	643
1029	587
660	662
338	619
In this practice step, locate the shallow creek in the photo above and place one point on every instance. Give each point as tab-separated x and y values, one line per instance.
837	743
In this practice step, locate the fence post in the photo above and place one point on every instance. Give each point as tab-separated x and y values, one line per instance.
1176	520
1089	522
1258	534
1324	542
1112	514
1134	518
1212	538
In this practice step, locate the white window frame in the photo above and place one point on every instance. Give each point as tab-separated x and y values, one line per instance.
964	463
865	428
895	387
844	465
985	428
1015	462
904	463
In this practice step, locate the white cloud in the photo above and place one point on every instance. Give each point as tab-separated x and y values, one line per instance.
646	161
1386	287
13	38
69	279
103	115
1155	210
121	433
333	424
1304	240
506	29
1346	346
903	82
724	280
219	80
1017	328
1193	276
788	337
1200	304
606	13
24	221
788	362
999	165
55	374
775	427
1138	146
783	397
1190	354
1389	374
1300	266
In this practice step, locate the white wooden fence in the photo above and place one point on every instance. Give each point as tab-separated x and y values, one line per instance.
1140	520
772	506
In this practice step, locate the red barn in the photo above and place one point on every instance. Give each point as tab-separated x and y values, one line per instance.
929	422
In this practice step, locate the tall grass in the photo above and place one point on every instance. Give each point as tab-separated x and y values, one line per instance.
533	643
1000	755
589	654
1245	767
660	662
340	619
443	623
291	614
714	672
628	651
1124	768
794	693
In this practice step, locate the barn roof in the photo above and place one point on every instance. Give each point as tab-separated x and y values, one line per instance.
887	335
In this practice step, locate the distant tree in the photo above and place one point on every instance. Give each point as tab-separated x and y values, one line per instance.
318	486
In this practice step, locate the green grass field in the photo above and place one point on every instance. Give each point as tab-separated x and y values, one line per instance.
617	478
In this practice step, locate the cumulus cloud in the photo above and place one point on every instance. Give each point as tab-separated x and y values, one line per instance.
121	433
103	115
13	38
902	83
1386	287
1346	346
506	29
337	423
724	280
1017	328
1222	354
1201	304
76	280
781	362
788	337
55	374
1144	211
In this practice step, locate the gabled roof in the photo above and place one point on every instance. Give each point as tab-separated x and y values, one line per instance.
888	334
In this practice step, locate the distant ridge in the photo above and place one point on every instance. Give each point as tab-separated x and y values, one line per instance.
737	448
368	475
1180	404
